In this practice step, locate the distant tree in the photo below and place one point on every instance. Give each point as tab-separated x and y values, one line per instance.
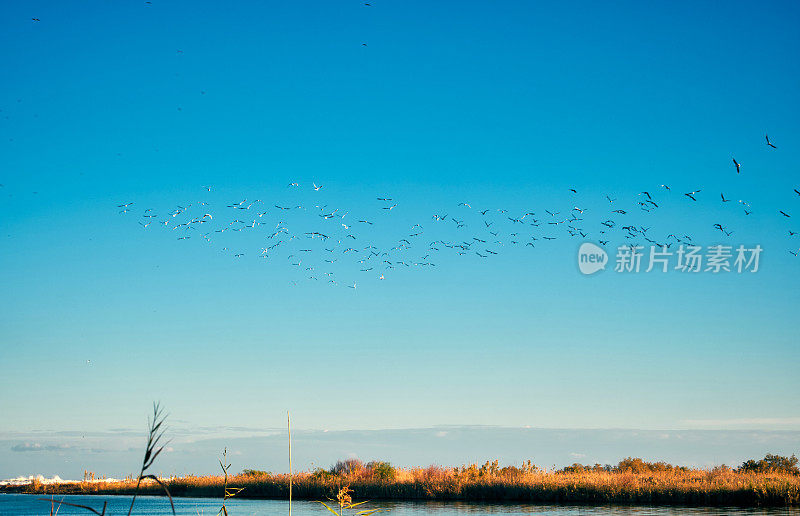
771	464
347	467
255	473
637	465
575	468
321	474
381	470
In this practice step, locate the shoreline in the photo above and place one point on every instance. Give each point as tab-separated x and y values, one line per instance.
691	489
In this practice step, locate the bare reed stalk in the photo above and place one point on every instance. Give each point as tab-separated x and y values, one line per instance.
228	492
52	506
289	429
154	435
102	513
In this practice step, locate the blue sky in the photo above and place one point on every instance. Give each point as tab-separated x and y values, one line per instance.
501	106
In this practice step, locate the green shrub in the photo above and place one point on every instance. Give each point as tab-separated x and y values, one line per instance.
255	473
381	470
320	474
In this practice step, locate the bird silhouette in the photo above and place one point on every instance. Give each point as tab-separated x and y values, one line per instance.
769	142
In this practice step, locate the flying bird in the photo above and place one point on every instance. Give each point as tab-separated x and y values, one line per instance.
769	142
690	195
736	163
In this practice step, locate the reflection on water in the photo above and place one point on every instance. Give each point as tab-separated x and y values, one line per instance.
30	505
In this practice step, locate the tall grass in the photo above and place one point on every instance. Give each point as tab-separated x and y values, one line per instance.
155	433
621	484
228	492
154	447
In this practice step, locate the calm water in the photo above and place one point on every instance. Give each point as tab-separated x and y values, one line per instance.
28	505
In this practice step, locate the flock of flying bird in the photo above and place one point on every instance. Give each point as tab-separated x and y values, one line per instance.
317	240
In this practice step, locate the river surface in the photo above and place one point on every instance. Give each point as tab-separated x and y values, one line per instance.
30	505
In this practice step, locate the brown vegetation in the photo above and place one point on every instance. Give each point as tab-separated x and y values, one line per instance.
631	481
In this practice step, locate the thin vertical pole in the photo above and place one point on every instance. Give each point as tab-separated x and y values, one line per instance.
289	428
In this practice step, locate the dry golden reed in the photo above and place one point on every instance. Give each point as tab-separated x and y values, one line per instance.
627	483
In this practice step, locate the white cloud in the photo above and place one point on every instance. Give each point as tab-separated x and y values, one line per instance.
24	447
29	447
760	422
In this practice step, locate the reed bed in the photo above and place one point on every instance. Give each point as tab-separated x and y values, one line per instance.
488	483
771	481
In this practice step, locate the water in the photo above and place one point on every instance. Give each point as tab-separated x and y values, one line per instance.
30	505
